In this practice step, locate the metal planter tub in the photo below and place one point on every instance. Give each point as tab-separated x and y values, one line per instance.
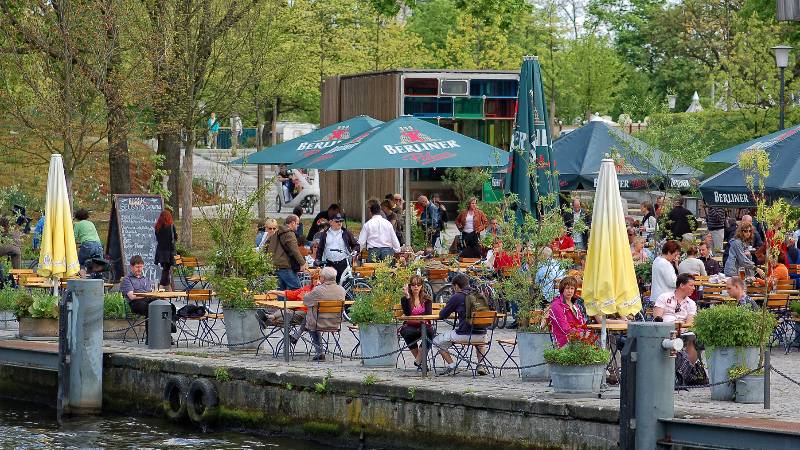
750	389
38	328
577	379
378	339
722	359
531	352
241	325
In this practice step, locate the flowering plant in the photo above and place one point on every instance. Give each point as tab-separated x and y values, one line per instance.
581	350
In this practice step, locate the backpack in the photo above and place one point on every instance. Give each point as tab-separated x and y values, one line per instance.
475	301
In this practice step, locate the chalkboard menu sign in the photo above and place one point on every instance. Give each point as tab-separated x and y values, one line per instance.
131	232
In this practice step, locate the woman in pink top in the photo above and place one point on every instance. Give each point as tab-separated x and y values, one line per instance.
566	312
415	302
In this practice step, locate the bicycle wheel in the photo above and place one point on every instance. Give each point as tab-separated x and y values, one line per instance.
426	286
278	202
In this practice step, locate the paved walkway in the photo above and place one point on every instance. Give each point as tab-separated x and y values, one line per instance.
692	404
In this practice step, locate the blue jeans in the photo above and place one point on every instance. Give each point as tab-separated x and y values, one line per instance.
88	250
377	254
287	279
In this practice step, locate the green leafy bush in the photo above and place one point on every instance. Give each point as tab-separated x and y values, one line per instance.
44	306
732	326
8	299
22	303
794	306
376	306
115	306
577	353
644	272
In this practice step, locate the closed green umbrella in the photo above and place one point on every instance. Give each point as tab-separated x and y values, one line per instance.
406	143
531	143
311	143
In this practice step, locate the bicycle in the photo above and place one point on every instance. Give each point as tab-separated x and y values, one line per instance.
350	281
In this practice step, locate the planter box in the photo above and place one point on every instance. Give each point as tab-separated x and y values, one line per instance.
378	339
35	328
242	326
750	389
722	359
577	379
121	329
531	351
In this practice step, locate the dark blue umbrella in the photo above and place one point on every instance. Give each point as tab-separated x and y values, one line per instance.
728	187
731	155
312	143
639	166
531	143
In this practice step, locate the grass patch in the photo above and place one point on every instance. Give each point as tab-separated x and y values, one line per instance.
222	374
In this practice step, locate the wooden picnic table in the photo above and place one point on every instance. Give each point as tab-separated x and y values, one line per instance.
291	304
163	295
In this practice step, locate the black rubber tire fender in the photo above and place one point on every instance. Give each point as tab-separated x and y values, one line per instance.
202	401
175	391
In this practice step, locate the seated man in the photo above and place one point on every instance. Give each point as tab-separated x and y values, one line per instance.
464	332
328	290
274	316
134	283
676	306
736	289
711	264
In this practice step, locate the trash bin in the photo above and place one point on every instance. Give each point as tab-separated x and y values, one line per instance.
159	324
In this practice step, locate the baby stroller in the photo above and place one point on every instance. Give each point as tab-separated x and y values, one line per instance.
307	198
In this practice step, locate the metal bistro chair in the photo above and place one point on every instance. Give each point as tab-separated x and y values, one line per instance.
465	350
204	333
189	272
329	322
510	345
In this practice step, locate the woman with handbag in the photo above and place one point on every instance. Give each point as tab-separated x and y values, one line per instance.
166	237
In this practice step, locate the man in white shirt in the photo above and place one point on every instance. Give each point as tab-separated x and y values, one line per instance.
663	279
677	306
378	236
335	246
236	132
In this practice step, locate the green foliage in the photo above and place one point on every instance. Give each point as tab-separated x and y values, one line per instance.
44	306
156	185
577	353
115	306
376	306
412	392
794	306
222	374
321	388
737	372
465	182
13	195
8	298
239	270
732	326
22	303
369	379
644	271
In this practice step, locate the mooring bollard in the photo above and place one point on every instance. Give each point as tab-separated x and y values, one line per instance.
651	349
85	336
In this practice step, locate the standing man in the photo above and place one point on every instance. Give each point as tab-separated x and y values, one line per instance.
715	220
213	131
236	132
336	245
681	220
429	219
573	217
286	254
378	237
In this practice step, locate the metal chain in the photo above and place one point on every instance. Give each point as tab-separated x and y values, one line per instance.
361	358
774	369
719	383
484	362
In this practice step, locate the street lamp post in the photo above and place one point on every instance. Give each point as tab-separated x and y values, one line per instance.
671	101
782	61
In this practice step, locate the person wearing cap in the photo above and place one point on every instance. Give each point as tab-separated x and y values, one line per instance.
335	246
378	237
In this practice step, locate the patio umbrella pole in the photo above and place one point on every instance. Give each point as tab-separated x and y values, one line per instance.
407	196
363	197
603	334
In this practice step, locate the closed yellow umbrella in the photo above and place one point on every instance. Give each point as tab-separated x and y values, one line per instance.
58	256
609	281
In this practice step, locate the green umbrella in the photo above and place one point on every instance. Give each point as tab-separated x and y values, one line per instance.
406	143
311	143
531	143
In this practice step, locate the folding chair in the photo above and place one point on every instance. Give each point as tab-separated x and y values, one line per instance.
329	322
510	345
189	272
205	323
778	305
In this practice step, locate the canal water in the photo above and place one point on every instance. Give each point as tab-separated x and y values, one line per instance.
28	426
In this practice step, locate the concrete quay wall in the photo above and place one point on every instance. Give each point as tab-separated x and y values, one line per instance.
353	413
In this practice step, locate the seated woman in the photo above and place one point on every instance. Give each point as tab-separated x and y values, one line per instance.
274	316
415	302
739	255
498	259
567	314
692	264
638	252
565	243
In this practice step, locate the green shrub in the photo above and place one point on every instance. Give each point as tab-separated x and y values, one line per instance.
115	306
376	306
44	306
577	353
732	326
22	303
8	299
794	306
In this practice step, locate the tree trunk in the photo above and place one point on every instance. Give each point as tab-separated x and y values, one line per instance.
169	146
119	162
186	190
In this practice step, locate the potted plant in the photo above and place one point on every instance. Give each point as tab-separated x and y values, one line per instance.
239	271
115	318
373	312
8	297
37	313
578	367
732	335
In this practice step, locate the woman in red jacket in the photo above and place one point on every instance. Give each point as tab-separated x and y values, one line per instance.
471	222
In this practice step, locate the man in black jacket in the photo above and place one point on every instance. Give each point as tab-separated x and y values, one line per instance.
681	220
335	246
572	217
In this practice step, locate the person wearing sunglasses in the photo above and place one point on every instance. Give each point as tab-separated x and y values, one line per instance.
265	230
415	302
739	257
